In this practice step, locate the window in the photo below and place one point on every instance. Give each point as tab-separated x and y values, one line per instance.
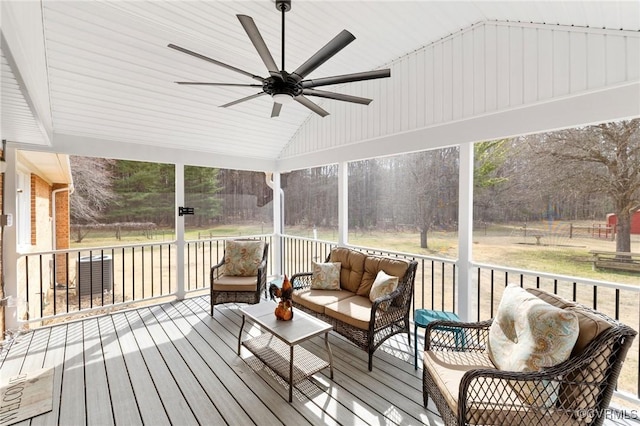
311	202
23	210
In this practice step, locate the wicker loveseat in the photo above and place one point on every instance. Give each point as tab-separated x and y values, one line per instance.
349	309
468	389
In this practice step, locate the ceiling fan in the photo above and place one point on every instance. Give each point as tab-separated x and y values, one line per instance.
283	86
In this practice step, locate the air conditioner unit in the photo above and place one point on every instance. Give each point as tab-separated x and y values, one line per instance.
94	274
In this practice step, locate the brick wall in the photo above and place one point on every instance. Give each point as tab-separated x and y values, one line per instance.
62	231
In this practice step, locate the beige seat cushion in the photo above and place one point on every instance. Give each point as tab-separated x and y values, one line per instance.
447	369
355	311
491	401
351	269
234	283
316	300
375	264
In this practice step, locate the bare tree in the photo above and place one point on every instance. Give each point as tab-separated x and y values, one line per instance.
92	189
434	184
602	159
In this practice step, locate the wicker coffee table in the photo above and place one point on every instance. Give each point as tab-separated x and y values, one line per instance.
278	347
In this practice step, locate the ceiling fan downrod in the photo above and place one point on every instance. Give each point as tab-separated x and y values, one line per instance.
283	6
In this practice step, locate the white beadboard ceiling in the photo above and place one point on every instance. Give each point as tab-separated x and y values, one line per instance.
109	75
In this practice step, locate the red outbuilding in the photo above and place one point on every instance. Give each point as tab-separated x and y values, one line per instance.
635	221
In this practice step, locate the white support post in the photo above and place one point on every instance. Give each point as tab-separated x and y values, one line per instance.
466	290
180	244
278	224
343	203
10	243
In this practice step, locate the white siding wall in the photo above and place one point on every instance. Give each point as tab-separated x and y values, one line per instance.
487	68
23	29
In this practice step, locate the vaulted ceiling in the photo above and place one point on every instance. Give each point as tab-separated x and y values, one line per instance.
97	78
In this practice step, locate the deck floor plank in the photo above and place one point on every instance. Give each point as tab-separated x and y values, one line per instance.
16	352
247	381
174	402
149	404
201	357
123	399
228	331
383	395
196	391
72	399
333	398
94	366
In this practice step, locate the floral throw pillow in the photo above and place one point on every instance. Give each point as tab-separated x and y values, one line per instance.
529	334
326	276
382	285
242	258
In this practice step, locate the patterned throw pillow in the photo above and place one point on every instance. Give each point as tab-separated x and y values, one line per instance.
529	334
326	276
242	258
382	285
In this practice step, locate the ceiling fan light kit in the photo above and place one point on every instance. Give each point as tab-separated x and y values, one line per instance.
282	98
285	87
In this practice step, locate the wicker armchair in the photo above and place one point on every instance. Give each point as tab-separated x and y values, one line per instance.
382	323
227	288
581	386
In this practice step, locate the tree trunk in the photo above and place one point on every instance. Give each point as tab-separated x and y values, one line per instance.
623	231
424	241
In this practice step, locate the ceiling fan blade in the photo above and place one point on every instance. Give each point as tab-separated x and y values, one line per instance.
347	78
198	83
258	42
336	96
321	56
312	106
242	100
213	61
275	112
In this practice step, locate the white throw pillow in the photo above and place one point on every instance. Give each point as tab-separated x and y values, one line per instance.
326	276
382	285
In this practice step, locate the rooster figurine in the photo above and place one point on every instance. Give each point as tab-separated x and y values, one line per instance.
284	310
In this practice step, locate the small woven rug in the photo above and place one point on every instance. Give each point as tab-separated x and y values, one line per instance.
26	395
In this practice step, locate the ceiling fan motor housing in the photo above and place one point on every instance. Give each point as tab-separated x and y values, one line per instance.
286	86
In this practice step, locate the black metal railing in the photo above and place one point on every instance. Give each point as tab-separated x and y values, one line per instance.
66	282
63	282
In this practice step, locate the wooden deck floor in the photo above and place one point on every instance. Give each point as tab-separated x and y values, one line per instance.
174	364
